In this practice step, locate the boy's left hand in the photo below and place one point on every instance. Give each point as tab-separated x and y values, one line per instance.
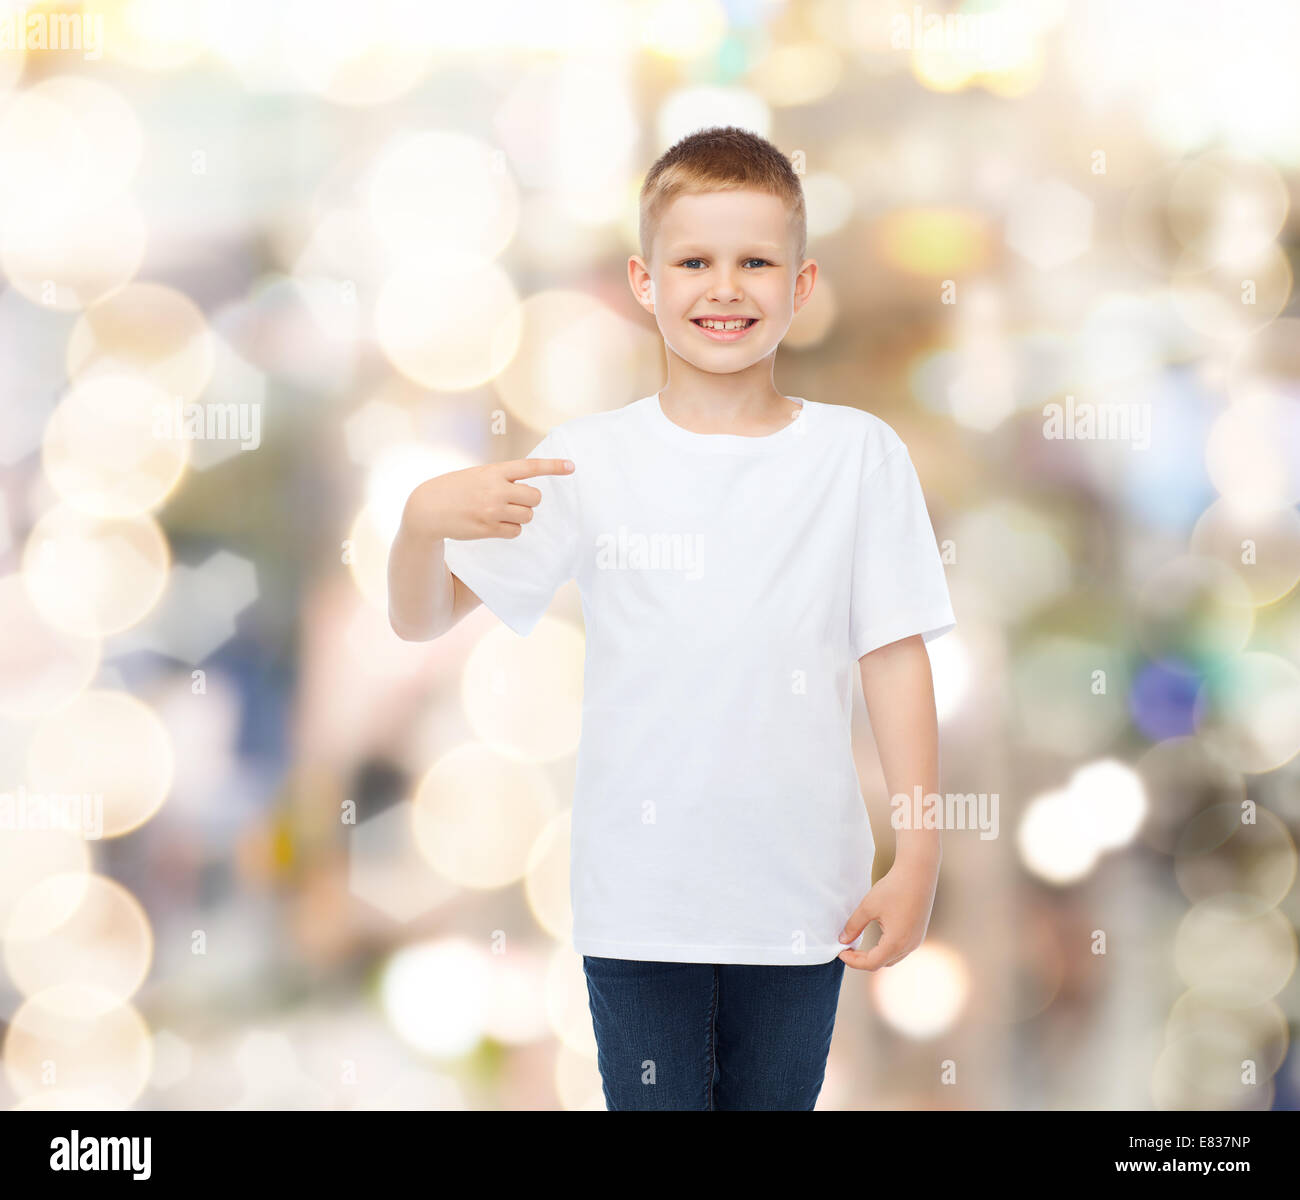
901	902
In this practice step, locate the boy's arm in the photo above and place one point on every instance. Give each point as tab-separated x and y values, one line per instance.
478	503
424	598
899	691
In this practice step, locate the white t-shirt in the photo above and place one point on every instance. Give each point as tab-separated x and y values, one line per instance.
729	586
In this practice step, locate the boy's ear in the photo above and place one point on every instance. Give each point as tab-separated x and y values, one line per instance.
641	282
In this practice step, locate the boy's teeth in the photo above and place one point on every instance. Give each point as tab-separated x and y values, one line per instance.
737	324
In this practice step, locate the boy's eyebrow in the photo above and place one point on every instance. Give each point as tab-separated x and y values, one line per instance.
686	247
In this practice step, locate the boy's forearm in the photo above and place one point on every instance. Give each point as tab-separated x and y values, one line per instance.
899	691
421	594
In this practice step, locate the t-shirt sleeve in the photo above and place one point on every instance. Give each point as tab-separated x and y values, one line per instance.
898	587
517	577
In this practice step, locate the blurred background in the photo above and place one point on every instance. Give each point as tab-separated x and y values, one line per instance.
265	266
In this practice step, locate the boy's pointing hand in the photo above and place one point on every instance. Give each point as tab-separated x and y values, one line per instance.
481	502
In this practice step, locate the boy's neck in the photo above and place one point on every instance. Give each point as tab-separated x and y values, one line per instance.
712	410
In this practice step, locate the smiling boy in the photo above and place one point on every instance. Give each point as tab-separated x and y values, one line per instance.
721	853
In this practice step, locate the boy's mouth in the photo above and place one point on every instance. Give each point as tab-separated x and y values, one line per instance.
728	330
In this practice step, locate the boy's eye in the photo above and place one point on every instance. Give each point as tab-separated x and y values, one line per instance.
763	261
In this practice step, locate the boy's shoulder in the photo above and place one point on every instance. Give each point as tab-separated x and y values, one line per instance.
595	425
876	436
859	420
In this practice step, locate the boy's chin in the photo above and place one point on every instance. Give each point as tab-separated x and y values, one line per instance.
723	360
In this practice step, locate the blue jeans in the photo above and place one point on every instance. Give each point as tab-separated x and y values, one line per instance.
711	1037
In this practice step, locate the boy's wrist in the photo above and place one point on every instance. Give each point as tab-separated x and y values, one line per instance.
421	519
919	848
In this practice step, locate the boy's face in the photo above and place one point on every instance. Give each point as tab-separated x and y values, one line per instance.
728	255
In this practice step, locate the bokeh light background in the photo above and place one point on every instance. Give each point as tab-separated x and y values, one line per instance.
347	246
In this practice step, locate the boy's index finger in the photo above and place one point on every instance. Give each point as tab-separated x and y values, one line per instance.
527	468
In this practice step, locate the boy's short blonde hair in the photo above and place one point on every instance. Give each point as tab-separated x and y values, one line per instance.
723	158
